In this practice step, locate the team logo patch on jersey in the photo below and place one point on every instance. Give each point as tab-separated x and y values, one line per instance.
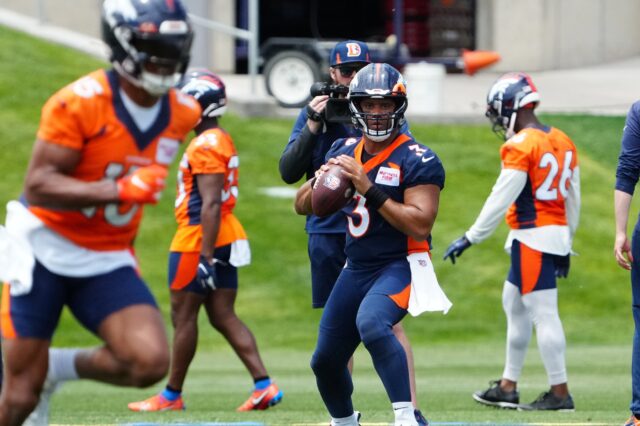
388	176
167	150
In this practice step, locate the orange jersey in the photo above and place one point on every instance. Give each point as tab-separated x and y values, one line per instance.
548	158
89	116
212	152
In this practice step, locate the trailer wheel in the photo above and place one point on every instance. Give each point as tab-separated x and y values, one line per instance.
288	77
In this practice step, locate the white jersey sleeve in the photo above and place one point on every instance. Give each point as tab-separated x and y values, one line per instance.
505	191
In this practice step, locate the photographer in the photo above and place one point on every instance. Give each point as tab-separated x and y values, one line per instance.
312	134
319	124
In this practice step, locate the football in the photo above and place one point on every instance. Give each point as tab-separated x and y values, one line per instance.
331	191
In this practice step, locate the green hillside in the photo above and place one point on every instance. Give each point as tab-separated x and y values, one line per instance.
274	298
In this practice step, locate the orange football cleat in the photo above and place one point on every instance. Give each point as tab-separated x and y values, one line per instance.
157	403
633	421
261	399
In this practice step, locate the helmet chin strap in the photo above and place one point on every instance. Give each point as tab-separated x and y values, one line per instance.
378	138
156	85
510	131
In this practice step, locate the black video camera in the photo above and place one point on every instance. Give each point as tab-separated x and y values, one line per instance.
337	109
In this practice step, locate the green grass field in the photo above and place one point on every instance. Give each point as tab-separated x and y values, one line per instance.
455	354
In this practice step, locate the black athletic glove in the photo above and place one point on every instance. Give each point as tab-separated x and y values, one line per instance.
456	248
207	274
562	264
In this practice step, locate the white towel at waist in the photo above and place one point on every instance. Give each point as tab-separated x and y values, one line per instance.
426	294
16	257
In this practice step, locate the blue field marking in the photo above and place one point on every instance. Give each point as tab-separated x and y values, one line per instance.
197	424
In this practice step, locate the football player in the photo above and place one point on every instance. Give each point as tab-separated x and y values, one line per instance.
309	142
101	154
398	183
208	247
539	190
627	253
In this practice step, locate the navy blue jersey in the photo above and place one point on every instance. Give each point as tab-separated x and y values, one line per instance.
332	223
371	240
629	161
332	131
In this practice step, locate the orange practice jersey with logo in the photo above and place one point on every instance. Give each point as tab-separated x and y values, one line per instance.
212	152
89	116
548	158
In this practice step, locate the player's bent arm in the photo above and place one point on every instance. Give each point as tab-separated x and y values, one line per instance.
302	202
48	182
210	188
416	216
505	192
296	158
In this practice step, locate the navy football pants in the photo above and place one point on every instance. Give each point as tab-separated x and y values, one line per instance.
359	310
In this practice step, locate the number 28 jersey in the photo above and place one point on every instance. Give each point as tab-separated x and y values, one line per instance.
549	159
212	152
371	240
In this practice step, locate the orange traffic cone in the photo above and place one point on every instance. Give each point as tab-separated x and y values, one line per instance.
476	59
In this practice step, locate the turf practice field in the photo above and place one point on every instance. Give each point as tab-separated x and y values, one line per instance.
447	375
455	354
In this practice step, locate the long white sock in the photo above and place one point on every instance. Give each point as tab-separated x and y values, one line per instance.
351	420
62	364
543	306
519	330
404	414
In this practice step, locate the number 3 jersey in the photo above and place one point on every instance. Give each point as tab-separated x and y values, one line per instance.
538	188
212	152
90	116
371	240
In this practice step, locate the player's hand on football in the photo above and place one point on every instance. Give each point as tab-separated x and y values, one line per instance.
456	248
562	264
622	251
354	171
143	186
207	276
318	173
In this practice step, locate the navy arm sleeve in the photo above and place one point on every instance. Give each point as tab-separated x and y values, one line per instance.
628	169
297	155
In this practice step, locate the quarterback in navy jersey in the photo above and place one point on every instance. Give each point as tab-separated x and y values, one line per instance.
371	240
310	140
398	183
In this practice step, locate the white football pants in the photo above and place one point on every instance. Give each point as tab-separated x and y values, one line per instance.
537	309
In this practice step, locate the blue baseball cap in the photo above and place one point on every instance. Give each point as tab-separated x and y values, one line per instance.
349	52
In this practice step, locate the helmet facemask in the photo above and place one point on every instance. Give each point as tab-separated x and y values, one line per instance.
502	125
150	56
509	94
377	127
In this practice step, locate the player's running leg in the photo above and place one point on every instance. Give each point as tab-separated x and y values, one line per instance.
222	316
398	331
184	316
26	369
